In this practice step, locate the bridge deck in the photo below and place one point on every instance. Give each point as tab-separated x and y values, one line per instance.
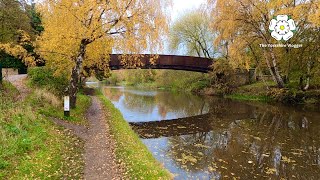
187	63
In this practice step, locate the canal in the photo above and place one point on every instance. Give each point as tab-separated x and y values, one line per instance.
198	137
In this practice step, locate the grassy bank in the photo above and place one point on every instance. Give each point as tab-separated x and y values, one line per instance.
245	97
31	146
160	79
139	162
53	88
268	92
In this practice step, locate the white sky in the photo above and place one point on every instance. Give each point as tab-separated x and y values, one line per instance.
180	6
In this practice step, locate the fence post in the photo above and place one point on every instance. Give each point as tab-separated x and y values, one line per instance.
66	106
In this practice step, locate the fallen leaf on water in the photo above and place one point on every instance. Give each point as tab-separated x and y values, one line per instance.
287	160
211	169
270	170
201	145
257	138
181	127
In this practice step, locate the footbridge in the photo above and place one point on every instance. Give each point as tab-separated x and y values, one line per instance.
186	63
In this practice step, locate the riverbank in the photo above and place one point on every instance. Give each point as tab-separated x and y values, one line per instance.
201	84
31	145
137	159
268	92
171	80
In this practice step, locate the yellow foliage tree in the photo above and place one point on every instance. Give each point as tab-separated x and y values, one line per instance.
83	33
17	50
243	24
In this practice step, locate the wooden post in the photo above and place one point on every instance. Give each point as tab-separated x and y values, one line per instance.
66	106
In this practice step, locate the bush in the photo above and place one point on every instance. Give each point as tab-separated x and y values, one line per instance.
43	77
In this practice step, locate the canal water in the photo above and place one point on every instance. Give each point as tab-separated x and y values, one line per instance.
214	138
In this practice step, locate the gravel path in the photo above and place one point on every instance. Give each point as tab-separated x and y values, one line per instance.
99	156
19	82
99	148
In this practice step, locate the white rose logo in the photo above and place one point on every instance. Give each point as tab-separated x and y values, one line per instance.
282	27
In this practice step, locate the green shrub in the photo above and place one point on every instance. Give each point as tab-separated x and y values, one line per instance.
43	77
113	80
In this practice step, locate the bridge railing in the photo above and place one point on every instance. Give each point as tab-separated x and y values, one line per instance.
188	63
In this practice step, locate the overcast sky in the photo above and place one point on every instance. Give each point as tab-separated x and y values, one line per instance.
179	6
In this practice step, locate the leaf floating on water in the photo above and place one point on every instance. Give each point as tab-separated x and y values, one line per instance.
212	169
257	138
265	155
148	135
187	158
200	153
201	145
287	160
250	162
270	170
181	127
297	154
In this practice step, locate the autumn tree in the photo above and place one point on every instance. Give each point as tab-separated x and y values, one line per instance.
13	17
82	34
244	24
17	50
191	32
20	24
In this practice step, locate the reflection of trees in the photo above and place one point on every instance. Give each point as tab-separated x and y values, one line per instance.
275	142
113	94
182	104
139	103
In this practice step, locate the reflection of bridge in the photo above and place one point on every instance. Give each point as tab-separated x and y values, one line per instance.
186	63
185	126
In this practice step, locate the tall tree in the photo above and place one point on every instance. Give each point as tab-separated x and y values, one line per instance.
83	33
13	17
245	23
191	32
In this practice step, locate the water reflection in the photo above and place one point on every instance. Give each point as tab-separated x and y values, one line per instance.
251	141
138	105
234	140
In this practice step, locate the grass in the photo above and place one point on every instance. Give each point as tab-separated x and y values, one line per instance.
77	115
138	160
172	80
252	92
256	88
31	146
244	97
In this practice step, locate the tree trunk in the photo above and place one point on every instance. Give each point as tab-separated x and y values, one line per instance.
0	76
306	87
280	82
274	70
75	75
